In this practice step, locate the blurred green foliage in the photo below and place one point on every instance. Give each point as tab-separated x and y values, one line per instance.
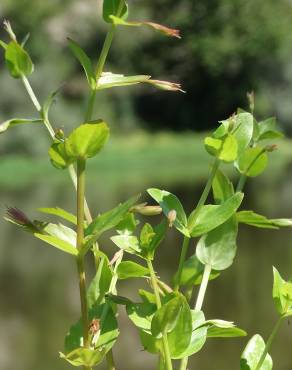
228	47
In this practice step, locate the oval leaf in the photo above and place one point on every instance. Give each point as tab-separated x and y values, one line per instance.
17	60
129	269
252	354
253	162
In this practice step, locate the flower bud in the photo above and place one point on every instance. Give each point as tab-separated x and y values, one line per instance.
171	216
145	210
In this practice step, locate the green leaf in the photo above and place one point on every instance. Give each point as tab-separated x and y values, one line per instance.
253	219
141	314
158	27
100	284
166	317
16	121
147	296
146	236
243	130
108	80
3	44
129	243
222	188
282	293
223	329
17	60
106	336
110	219
87	140
58	156
58	243
253	161
60	213
218	247
180	337
84	357
228	151
199	334
127	225
129	269
212	216
169	202
252	354
213	145
149	343
85	61
112	7
62	232
192	272
267	130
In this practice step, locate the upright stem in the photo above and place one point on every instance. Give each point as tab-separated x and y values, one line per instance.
200	204
241	183
182	259
153	278
203	287
79	242
269	343
199	304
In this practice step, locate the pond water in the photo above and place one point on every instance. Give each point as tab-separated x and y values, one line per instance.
38	285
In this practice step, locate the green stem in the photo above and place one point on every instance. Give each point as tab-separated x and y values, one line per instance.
203	287
199	304
153	278
182	259
90	106
269	343
241	183
110	361
80	259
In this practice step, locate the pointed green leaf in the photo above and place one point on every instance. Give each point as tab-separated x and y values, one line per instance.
62	232
253	162
222	187
110	219
16	121
47	104
3	44
218	247
60	213
169	202
282	293
87	140
166	317
253	219
199	334
179	338
228	151
129	269
17	60
212	216
100	284
243	130
117	8
58	243
223	329
85	61
86	357
252	354
141	314
267	130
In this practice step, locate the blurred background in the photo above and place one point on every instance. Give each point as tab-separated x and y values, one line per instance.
229	47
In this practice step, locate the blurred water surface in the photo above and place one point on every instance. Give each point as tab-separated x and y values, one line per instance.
39	291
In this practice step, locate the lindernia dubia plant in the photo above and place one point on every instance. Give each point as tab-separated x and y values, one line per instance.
169	326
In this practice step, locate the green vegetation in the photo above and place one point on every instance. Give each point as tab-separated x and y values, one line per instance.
169	316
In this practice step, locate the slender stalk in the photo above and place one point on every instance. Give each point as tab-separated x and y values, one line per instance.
241	183
203	287
199	304
182	259
153	278
269	343
200	204
110	361
80	259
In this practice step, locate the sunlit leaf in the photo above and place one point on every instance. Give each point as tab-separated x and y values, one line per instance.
169	202
253	161
87	140
17	60
212	216
60	213
253	219
282	293
58	243
252	354
108	80
118	8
